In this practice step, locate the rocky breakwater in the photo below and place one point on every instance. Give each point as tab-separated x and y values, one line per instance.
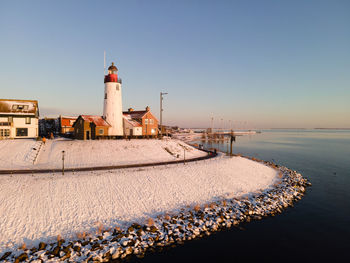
170	230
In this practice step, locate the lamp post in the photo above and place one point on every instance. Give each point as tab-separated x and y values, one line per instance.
161	112
63	162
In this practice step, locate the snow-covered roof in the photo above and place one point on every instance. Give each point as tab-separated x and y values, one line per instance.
97	120
135	114
132	122
19	107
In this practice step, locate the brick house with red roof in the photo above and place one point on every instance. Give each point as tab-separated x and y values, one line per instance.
88	127
144	119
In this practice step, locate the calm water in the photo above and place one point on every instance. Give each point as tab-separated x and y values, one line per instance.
316	228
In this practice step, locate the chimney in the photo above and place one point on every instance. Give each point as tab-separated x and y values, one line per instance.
130	109
148	108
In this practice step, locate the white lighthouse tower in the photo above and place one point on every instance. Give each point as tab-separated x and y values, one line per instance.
112	108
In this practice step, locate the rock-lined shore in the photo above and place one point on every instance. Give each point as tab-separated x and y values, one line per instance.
168	230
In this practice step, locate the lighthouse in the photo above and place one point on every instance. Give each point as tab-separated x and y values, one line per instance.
112	107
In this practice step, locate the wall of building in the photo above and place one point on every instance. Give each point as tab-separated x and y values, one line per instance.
19	122
149	124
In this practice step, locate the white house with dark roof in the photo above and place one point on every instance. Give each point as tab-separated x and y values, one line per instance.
19	118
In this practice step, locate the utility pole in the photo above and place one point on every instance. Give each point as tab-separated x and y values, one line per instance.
63	162
161	113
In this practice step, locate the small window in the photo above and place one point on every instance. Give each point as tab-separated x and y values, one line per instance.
100	131
146	121
21	132
151	121
14	107
20	107
28	120
153	131
25	107
7	133
105	96
10	119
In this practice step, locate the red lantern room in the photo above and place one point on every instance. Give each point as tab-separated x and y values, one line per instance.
112	74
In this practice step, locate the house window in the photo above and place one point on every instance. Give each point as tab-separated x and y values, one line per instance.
105	96
28	120
100	131
25	107
10	119
4	132
151	121
22	132
146	121
153	131
14	107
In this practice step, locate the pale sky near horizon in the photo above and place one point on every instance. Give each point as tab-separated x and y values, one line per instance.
260	64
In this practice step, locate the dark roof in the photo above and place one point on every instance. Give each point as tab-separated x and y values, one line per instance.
135	114
112	67
19	107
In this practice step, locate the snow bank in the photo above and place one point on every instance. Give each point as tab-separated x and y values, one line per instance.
19	154
40	207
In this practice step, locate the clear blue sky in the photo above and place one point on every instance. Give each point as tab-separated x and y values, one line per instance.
258	63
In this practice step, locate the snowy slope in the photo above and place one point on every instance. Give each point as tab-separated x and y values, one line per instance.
40	207
15	154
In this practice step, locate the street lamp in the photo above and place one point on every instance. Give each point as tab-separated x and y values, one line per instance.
161	112
63	162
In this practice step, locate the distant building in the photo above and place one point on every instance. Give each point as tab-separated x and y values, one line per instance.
88	127
19	118
144	119
66	125
48	127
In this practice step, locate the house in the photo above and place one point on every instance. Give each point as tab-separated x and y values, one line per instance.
131	127
144	119
19	118
66	125
88	127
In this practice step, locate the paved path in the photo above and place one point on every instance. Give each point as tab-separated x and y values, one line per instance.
111	167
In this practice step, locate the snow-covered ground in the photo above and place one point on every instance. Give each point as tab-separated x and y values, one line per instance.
43	206
20	154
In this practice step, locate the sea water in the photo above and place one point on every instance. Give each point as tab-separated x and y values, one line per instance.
316	228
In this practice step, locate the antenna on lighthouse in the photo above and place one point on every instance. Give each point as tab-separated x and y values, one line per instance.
104	62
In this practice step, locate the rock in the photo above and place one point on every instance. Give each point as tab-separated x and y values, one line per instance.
77	248
153	229
5	255
128	251
22	257
95	246
42	246
55	252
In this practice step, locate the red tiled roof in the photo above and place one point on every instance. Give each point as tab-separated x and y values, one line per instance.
97	120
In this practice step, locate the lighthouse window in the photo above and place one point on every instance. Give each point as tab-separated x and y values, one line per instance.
105	96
